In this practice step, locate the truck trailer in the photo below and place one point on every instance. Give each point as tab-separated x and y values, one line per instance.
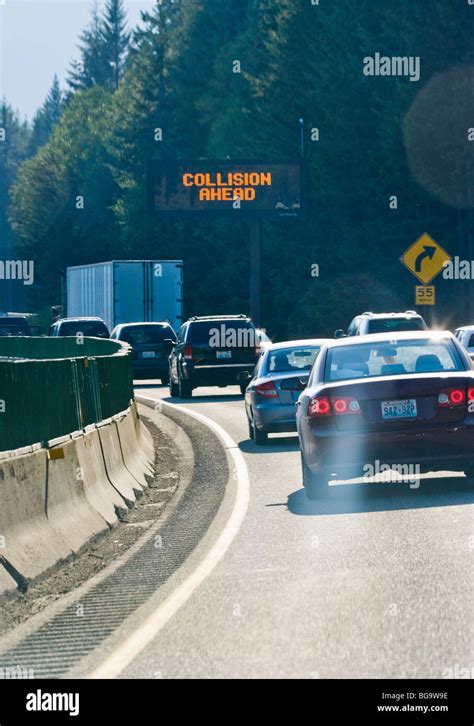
127	291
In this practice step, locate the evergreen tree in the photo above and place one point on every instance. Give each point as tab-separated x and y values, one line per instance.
104	44
14	139
89	70
47	117
115	40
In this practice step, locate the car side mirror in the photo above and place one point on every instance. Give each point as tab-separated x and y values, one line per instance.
339	333
170	342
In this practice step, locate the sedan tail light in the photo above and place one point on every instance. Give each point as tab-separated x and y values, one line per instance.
319	406
267	390
345	405
337	405
450	397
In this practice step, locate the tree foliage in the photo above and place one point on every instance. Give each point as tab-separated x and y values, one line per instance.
176	95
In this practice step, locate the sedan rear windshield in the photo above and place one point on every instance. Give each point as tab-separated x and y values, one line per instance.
291	359
147	334
89	328
387	325
391	359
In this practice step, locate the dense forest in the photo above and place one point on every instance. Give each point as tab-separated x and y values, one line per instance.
386	158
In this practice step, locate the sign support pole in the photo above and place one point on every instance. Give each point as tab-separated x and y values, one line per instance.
255	234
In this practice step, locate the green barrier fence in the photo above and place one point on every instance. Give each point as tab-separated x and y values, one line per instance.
50	387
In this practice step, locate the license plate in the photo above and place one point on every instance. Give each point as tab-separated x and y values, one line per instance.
399	409
148	354
223	354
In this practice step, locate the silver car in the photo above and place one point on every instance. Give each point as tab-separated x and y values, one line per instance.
465	335
279	377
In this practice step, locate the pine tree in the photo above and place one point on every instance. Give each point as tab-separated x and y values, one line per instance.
47	117
13	150
103	46
115	40
89	70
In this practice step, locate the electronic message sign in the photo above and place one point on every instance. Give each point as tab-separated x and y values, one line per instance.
225	187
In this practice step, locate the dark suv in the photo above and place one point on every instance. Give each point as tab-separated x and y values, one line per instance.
213	351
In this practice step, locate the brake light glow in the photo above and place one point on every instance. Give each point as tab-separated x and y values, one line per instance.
453	397
319	406
345	404
267	390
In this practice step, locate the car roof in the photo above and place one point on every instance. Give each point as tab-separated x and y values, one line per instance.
387	337
78	320
297	343
402	315
133	325
203	318
465	327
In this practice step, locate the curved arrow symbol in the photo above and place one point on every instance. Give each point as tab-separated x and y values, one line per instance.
428	252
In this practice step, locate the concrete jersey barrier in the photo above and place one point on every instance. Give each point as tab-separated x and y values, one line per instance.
54	501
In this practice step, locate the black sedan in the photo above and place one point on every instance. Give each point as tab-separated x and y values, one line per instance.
403	399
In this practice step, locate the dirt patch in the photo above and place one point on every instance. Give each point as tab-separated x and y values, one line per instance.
109	546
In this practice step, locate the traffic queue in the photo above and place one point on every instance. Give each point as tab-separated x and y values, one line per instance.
386	389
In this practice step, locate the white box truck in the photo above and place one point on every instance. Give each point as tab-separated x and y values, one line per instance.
127	291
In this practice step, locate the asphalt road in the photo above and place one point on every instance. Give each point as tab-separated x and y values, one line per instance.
374	582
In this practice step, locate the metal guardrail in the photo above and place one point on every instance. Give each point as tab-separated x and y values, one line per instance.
50	387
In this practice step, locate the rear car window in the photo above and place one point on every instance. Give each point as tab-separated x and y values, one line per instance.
89	328
291	359
223	334
147	334
394	358
13	326
471	342
394	324
13	322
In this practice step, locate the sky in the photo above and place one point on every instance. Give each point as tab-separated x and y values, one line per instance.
38	38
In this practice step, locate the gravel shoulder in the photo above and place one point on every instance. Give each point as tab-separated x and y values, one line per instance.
109	546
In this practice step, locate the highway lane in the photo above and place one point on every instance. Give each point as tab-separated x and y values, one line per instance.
376	581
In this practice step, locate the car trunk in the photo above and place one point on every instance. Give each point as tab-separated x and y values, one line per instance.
289	386
415	397
151	351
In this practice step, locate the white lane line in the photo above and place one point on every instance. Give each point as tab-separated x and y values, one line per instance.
143	635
